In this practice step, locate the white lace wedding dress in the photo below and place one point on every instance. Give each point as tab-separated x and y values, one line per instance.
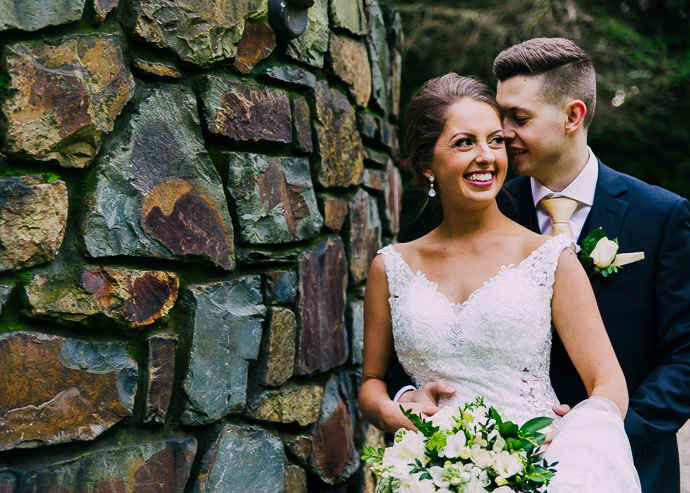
498	344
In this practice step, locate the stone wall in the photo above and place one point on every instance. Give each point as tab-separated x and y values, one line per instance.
188	209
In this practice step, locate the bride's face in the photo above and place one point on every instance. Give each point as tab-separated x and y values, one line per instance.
470	161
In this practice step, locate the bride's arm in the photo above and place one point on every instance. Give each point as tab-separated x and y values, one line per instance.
374	401
578	323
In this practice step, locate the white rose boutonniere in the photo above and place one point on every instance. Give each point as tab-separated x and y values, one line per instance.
599	255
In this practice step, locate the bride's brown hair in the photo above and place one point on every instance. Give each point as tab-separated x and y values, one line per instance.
426	115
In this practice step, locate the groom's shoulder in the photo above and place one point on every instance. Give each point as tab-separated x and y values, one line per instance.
638	191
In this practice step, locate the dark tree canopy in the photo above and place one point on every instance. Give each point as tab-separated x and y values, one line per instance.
640	49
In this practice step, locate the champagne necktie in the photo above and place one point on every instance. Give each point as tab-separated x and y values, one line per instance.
560	209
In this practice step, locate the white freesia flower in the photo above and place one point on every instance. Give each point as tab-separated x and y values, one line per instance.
503	489
499	444
454	446
444	418
480	456
507	464
413	484
604	253
396	465
438	476
411	447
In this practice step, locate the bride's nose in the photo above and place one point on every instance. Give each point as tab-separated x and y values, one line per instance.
485	155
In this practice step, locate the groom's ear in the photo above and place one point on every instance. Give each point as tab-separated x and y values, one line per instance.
575	112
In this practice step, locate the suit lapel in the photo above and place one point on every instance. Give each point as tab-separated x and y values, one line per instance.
608	210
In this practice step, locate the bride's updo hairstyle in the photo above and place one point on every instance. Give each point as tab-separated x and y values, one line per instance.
426	115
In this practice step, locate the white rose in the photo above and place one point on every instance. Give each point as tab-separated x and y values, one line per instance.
454	446
444	418
507	464
604	253
481	457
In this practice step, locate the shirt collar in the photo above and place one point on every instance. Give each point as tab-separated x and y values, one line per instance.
582	188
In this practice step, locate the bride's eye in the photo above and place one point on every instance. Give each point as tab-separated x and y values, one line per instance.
463	143
497	141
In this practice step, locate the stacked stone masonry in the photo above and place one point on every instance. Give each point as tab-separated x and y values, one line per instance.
189	206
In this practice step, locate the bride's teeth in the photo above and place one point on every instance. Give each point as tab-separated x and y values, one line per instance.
480	177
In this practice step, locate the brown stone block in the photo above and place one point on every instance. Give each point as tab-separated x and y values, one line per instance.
102	8
394	191
301	120
152	467
295	480
160	377
128	298
374	179
33	216
365	235
335	212
301	447
277	354
57	390
247	112
158	69
201	31
258	42
322	341
64	97
186	220
341	152
333	456
286	405
350	62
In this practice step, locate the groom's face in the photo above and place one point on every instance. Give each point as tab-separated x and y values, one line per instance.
534	128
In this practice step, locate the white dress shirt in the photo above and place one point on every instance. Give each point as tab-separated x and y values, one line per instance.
582	189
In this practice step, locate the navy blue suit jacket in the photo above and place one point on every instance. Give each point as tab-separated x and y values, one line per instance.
646	310
645	307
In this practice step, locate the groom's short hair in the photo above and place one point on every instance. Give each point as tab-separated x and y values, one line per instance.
568	72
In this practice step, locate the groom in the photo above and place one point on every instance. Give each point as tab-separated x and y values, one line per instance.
547	91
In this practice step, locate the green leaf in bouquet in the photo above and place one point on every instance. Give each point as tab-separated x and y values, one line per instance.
516	445
372	455
426	427
496	416
508	430
436	442
533	426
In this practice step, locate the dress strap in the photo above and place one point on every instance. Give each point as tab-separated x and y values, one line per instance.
543	262
397	271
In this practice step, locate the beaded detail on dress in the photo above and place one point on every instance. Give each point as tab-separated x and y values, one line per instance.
497	343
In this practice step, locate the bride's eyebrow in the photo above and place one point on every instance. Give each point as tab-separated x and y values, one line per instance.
466	134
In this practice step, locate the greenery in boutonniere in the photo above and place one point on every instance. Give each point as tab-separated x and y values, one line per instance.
598	253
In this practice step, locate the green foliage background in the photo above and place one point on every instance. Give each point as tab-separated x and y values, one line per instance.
640	49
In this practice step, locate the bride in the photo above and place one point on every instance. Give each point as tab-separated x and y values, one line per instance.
474	301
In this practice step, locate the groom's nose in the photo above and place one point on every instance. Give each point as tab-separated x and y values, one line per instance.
508	132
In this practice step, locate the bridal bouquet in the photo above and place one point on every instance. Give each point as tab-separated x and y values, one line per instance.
469	449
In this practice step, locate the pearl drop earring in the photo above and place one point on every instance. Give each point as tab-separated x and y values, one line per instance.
432	192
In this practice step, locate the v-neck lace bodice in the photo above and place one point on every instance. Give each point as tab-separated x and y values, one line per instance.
497	343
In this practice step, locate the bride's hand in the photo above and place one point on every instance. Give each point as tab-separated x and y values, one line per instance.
561	409
429	393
